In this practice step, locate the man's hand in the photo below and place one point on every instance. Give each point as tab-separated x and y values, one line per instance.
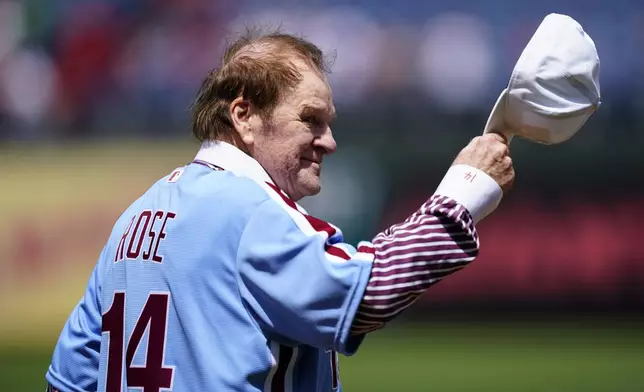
490	154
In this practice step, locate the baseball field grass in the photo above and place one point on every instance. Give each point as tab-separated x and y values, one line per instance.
453	357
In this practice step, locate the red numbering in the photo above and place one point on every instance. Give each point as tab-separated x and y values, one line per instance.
335	376
153	376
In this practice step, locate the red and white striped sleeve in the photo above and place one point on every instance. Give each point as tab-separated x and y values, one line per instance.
439	239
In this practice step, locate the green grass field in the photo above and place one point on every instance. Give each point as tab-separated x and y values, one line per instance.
457	357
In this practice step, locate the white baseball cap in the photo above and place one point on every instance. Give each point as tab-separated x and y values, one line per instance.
554	87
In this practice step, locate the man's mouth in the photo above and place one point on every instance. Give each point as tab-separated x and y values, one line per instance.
312	160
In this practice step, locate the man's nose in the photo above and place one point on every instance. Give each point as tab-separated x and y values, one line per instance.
326	141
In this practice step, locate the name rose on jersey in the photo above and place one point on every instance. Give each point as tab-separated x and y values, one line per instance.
143	233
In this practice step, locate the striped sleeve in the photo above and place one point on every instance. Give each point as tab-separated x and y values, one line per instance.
436	241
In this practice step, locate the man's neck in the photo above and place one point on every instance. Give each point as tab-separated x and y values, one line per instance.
236	141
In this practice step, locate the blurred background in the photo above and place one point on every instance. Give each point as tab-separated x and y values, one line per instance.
94	99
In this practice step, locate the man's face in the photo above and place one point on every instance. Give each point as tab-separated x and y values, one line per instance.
293	142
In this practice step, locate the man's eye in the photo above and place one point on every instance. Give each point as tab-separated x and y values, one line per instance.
312	120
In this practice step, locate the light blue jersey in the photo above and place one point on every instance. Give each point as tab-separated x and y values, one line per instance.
214	280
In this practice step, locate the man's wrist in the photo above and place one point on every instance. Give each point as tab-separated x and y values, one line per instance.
471	188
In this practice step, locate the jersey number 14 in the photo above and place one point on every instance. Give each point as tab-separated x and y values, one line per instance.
152	376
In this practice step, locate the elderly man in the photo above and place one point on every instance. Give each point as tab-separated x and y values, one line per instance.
217	280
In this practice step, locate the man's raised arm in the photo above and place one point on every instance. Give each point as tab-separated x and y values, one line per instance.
439	238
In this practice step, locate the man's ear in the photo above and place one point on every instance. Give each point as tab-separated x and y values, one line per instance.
240	113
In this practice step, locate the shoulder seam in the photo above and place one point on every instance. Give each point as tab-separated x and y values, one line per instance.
309	225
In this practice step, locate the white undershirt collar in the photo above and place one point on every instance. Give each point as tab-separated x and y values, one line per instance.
229	157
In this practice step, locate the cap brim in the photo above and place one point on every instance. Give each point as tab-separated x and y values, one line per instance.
496	120
536	127
549	129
